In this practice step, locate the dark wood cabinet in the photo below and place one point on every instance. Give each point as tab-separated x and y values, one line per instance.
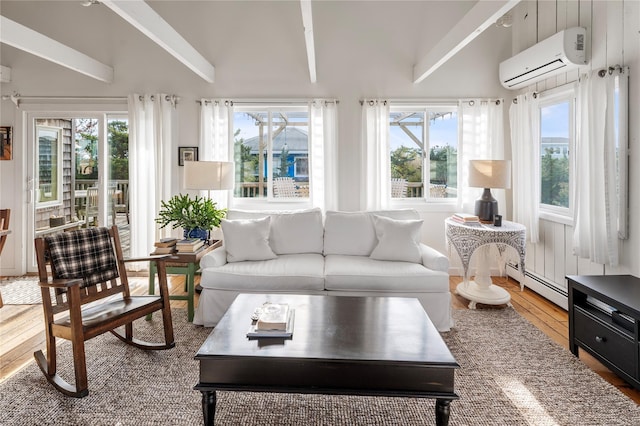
604	320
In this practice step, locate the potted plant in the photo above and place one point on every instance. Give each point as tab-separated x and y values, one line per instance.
198	216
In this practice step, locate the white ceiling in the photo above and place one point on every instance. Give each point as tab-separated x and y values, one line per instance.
264	37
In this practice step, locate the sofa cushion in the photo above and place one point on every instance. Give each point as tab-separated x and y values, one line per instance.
292	231
297	232
398	240
349	233
293	272
247	239
357	273
398	214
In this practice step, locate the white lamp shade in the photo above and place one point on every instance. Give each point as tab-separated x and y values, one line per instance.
490	173
211	175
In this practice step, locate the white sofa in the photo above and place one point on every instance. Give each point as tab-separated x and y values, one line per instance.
349	253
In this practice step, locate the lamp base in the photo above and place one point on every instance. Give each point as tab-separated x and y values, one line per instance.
486	206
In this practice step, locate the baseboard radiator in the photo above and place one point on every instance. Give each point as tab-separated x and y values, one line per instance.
556	293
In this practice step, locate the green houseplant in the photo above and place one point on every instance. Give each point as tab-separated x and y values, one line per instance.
197	215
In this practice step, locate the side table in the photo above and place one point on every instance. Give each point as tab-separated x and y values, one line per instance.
466	239
186	264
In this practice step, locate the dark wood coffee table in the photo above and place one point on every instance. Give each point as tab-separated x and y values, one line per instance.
374	346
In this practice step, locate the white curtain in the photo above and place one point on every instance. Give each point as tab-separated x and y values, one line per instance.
323	160
215	133
482	139
376	167
524	118
600	199
150	145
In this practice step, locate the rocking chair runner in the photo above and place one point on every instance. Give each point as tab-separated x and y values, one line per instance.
87	266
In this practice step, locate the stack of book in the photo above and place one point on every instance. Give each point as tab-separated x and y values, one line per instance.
165	246
273	320
468	219
189	245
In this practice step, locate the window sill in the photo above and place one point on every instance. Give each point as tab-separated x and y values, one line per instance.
557	218
421	205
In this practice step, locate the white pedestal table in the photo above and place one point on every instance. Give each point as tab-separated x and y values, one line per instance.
466	239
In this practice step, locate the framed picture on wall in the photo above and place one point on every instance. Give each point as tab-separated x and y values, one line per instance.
6	143
187	153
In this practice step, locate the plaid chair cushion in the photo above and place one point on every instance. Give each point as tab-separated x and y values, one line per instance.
85	253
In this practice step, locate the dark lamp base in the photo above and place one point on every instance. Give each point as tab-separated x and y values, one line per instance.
486	206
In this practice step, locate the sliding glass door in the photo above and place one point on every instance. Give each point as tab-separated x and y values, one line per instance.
80	174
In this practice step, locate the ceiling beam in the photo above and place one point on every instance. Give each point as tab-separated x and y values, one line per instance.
307	23
481	16
147	21
28	40
5	74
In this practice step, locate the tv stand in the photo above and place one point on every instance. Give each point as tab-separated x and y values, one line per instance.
604	320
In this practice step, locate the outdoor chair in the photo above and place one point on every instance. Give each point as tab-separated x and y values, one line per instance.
398	188
284	187
89	281
91	207
122	205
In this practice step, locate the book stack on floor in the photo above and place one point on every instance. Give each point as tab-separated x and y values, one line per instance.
165	246
189	245
467	219
272	320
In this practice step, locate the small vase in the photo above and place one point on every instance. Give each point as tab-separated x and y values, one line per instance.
203	234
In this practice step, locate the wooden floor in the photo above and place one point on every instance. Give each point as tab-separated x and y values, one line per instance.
22	331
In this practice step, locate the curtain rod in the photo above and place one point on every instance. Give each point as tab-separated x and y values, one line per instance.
17	98
295	102
436	102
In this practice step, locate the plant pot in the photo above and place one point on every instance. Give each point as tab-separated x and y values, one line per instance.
203	234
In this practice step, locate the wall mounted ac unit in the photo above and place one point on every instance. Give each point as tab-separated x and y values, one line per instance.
559	53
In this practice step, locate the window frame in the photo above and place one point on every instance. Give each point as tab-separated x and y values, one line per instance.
271	109
548	98
427	108
57	201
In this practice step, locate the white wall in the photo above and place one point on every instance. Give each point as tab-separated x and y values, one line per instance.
363	49
612	39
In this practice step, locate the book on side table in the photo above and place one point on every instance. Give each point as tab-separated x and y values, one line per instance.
189	245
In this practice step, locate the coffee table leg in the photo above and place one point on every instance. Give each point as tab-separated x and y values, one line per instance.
442	412
208	406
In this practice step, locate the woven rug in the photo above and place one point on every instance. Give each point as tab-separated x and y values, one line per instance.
20	291
511	374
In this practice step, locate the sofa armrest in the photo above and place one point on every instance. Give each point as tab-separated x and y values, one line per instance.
216	257
433	259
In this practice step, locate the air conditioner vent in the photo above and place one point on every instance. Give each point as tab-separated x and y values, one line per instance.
561	52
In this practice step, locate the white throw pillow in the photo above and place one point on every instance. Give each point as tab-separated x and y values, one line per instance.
348	233
398	240
297	232
247	239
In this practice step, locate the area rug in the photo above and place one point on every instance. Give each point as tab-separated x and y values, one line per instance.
511	374
20	291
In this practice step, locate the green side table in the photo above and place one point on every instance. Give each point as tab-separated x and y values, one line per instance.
187	264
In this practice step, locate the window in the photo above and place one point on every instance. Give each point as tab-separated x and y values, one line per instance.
271	147
410	140
556	143
49	165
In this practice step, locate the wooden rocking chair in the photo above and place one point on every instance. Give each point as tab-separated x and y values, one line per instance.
87	266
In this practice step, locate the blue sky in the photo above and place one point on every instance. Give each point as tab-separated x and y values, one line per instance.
554	120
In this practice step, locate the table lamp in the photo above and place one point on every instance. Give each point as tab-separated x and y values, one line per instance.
209	175
488	174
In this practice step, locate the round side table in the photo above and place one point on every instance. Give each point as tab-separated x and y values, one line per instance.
469	238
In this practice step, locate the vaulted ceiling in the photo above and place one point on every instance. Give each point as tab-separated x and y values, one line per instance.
207	36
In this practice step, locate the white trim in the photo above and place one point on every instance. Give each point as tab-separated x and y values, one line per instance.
150	23
28	40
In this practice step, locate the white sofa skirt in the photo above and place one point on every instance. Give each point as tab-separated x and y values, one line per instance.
213	303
